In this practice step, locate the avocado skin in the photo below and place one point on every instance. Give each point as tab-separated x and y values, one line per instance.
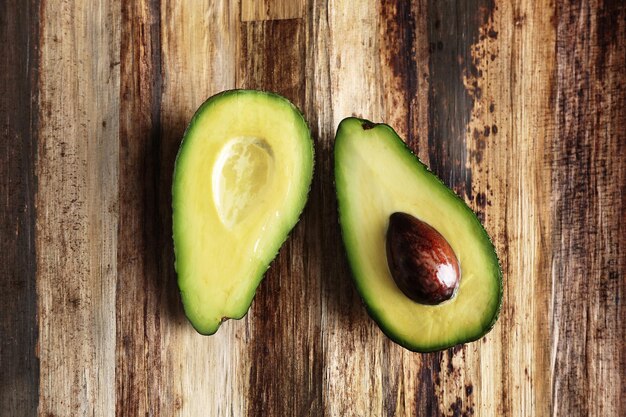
408	344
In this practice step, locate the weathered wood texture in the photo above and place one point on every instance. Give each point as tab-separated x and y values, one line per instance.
76	206
519	106
588	210
19	367
252	10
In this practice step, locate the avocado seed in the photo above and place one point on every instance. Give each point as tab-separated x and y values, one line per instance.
420	260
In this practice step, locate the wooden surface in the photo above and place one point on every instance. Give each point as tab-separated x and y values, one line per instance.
518	106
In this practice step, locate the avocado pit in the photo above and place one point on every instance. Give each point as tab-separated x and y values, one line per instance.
421	261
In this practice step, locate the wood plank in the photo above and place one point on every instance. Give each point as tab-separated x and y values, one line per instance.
255	10
323	252
19	366
408	379
509	139
588	210
454	30
284	320
353	362
77	206
140	385
200	375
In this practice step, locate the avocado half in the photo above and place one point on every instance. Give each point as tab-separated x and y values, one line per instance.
241	180
376	175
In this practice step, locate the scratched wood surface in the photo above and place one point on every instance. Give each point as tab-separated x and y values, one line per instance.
519	106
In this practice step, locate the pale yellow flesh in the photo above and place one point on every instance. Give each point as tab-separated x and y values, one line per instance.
372	183
241	182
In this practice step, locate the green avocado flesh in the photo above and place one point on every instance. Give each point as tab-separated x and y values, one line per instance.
376	175
241	180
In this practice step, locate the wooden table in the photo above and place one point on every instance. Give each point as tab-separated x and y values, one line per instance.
519	106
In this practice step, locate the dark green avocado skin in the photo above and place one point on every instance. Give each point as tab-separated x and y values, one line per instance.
408	344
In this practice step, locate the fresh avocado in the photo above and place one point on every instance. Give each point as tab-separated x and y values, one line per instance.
241	180
378	178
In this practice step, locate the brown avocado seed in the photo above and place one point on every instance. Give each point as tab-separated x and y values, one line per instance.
420	260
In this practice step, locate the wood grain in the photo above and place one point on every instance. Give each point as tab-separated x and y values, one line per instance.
140	284
454	30
200	369
588	212
408	379
519	106
508	139
270	61
255	10
19	367
77	210
353	343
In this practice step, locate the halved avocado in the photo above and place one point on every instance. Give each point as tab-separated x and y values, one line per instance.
241	180
377	175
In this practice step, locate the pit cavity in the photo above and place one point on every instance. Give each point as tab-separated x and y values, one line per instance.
241	178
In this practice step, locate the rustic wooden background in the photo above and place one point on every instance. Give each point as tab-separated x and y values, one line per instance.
519	105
